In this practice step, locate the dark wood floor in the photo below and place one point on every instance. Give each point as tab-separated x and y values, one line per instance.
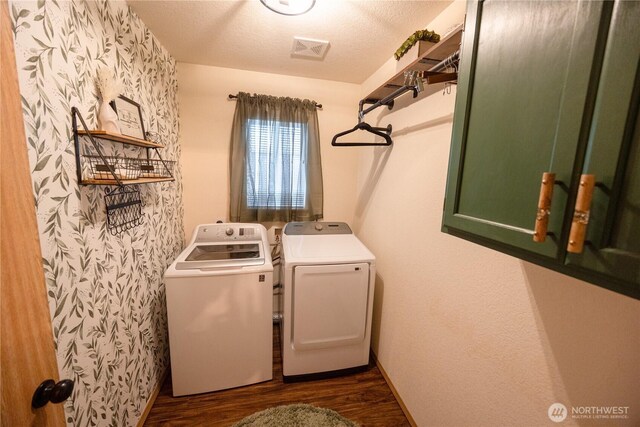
363	397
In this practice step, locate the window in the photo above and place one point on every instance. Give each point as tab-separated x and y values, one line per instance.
275	163
276	175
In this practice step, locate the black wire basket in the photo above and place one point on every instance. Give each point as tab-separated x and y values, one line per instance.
96	168
124	208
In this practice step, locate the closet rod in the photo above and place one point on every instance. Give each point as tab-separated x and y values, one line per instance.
319	106
387	100
446	62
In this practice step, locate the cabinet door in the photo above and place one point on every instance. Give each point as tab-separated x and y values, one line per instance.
613	155
524	82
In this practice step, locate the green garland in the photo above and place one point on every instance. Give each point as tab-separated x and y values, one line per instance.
424	35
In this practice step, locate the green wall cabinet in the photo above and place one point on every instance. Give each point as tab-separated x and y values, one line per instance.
550	87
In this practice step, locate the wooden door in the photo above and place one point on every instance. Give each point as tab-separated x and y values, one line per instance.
28	356
613	156
524	81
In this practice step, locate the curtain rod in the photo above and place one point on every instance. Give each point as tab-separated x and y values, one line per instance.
319	106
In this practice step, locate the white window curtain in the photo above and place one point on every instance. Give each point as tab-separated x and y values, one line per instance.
276	172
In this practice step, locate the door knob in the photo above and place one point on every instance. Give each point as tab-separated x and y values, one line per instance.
50	391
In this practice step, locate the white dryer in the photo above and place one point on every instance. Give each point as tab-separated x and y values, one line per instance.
219	305
328	283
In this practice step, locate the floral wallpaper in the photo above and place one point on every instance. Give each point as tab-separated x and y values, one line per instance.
105	292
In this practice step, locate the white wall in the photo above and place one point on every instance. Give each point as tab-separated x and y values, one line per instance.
205	130
470	336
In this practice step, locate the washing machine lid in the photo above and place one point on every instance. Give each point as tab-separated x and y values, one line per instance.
223	252
211	255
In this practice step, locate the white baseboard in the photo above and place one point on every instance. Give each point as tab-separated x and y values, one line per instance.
394	391
152	398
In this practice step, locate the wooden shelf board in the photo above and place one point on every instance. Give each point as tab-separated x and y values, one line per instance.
124	181
445	47
116	137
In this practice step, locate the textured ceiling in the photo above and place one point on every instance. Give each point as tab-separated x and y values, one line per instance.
246	35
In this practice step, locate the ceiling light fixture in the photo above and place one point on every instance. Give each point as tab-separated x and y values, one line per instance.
289	7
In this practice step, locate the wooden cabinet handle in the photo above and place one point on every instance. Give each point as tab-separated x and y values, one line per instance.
544	207
581	214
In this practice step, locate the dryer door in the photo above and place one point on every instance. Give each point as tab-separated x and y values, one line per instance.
329	305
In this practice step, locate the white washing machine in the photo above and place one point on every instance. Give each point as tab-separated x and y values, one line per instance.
219	305
328	282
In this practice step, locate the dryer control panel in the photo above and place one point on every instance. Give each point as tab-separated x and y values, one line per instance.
316	227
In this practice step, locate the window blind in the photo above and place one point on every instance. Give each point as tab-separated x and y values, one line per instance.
276	175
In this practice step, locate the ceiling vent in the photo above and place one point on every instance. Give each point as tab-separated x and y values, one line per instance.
309	48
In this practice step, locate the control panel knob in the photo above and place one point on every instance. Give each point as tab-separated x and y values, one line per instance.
319	227
229	231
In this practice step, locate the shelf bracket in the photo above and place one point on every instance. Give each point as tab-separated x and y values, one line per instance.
163	163
76	139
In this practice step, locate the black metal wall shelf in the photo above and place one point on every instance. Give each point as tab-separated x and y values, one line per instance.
117	170
123	204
